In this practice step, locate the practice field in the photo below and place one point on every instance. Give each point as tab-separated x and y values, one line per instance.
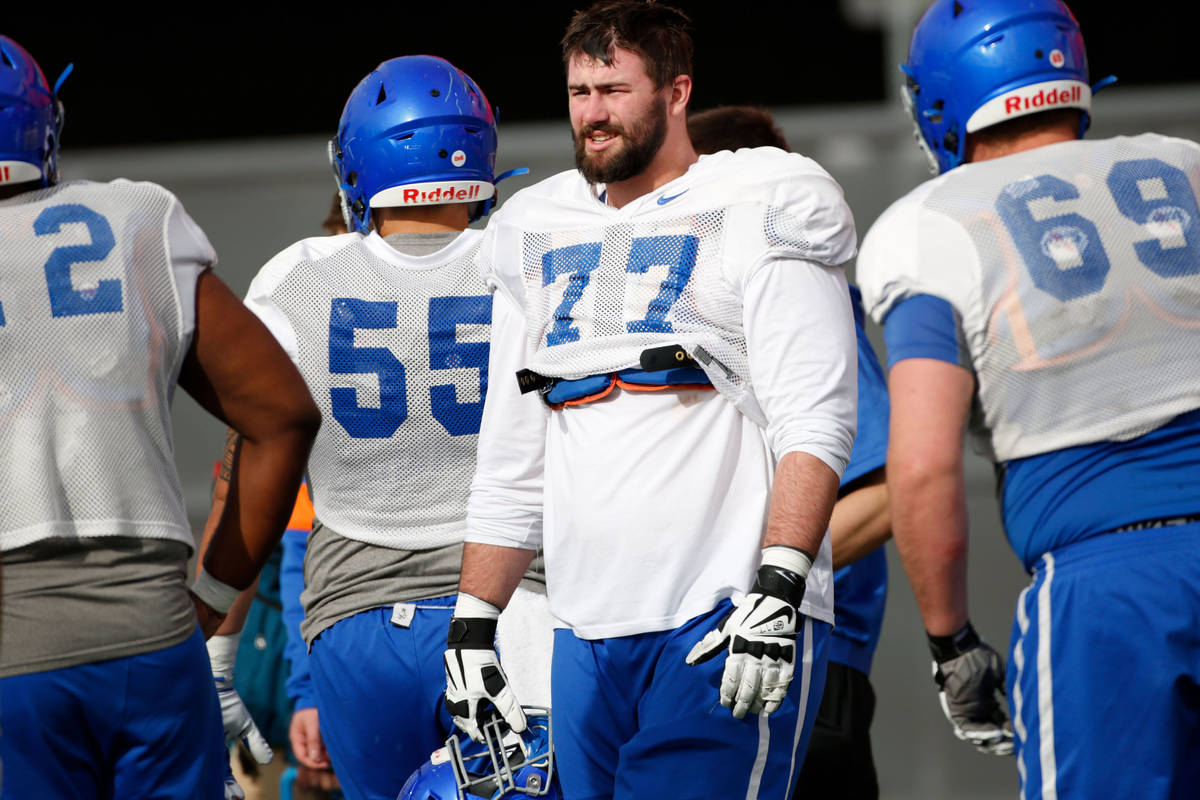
255	198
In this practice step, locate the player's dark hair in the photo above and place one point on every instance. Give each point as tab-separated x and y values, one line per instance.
1009	131
658	33
732	127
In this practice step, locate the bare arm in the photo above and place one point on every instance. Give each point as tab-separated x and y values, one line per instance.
237	372
491	572
802	498
930	403
233	621
861	521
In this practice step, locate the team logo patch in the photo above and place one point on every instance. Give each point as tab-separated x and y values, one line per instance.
1169	224
1065	244
1057	59
458	158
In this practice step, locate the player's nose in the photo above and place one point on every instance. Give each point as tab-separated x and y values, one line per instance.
593	110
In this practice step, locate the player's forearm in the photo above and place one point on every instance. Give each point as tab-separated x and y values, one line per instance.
930	403
929	520
802	499
860	522
261	493
491	572
236	617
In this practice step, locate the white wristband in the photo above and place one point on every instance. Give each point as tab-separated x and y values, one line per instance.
789	558
222	652
217	595
469	606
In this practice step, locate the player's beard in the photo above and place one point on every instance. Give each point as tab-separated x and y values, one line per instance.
639	145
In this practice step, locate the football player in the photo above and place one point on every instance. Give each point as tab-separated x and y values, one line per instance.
389	327
839	761
690	331
1046	290
107	300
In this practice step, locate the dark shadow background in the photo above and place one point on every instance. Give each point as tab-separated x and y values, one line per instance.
210	74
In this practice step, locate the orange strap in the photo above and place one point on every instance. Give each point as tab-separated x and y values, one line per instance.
302	512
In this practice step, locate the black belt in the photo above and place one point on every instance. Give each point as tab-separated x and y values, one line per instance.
1165	522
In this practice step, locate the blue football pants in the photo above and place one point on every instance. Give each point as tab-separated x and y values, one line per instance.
379	692
145	726
632	720
1104	668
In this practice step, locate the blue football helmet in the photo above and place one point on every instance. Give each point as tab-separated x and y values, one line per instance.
506	766
416	131
30	118
976	63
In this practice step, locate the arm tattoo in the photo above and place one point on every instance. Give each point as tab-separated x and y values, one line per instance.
232	440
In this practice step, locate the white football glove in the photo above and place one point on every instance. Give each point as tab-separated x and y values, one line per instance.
760	635
477	689
235	717
970	677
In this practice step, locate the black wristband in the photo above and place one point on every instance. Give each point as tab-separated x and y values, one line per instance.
781	583
471	634
945	648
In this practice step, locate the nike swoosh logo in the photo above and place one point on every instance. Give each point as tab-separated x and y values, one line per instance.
662	201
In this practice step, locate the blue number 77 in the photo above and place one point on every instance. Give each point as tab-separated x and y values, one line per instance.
677	253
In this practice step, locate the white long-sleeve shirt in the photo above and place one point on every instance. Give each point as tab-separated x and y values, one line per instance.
651	506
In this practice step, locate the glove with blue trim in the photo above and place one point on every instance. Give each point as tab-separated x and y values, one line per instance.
759	634
235	717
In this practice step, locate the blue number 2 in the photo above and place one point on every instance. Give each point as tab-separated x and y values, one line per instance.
1064	254
445	352
65	300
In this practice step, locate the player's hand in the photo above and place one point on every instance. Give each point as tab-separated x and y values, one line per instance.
235	717
232	790
970	677
305	735
477	690
759	634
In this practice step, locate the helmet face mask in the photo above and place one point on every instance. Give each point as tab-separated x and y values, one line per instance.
977	63
416	131
505	766
31	118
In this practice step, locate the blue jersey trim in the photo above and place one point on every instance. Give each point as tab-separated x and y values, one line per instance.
923	326
860	594
870	443
1054	499
860	590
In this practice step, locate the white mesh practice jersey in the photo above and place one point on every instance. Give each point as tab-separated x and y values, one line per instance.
394	349
651	506
97	305
1075	270
598	285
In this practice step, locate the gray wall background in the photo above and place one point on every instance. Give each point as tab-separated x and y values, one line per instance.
254	198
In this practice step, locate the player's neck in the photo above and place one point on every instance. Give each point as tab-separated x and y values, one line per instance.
17	188
671	161
444	218
983	150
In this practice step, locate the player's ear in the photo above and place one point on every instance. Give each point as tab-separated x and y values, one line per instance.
681	95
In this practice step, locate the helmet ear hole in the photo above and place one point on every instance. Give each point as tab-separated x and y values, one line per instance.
382	95
352	179
8	62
